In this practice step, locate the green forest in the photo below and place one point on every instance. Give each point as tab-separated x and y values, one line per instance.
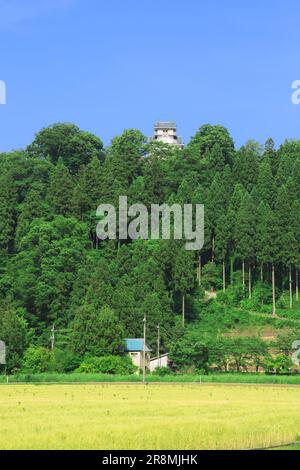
231	307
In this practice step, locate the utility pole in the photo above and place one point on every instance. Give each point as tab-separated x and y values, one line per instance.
273	290
158	345
52	337
144	350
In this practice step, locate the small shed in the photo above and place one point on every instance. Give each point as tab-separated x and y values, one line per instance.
160	361
135	349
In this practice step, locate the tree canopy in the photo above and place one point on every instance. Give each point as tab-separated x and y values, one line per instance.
54	270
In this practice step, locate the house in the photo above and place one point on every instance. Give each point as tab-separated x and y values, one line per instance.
161	361
135	349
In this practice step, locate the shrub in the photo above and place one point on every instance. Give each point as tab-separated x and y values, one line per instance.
281	303
277	365
65	361
249	304
200	293
232	297
262	294
37	359
265	309
161	371
107	365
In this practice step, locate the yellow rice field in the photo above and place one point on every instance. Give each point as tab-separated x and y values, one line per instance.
153	417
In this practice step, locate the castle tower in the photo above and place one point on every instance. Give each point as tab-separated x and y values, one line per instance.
166	132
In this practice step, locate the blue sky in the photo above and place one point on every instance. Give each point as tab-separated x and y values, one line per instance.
110	65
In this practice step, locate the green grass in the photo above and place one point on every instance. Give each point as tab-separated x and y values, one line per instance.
102	378
292	447
284	319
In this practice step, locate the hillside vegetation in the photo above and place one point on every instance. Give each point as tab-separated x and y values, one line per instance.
56	275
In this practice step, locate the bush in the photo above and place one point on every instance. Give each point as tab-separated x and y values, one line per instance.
281	303
37	360
249	304
161	371
278	365
265	309
65	361
199	293
262	294
233	295
107	365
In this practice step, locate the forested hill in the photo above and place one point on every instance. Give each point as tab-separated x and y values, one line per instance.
55	272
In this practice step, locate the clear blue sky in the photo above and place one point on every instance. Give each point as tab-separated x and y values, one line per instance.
107	65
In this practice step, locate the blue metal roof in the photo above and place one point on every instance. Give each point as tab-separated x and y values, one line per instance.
136	344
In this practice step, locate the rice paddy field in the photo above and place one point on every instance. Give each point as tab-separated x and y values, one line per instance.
153	417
